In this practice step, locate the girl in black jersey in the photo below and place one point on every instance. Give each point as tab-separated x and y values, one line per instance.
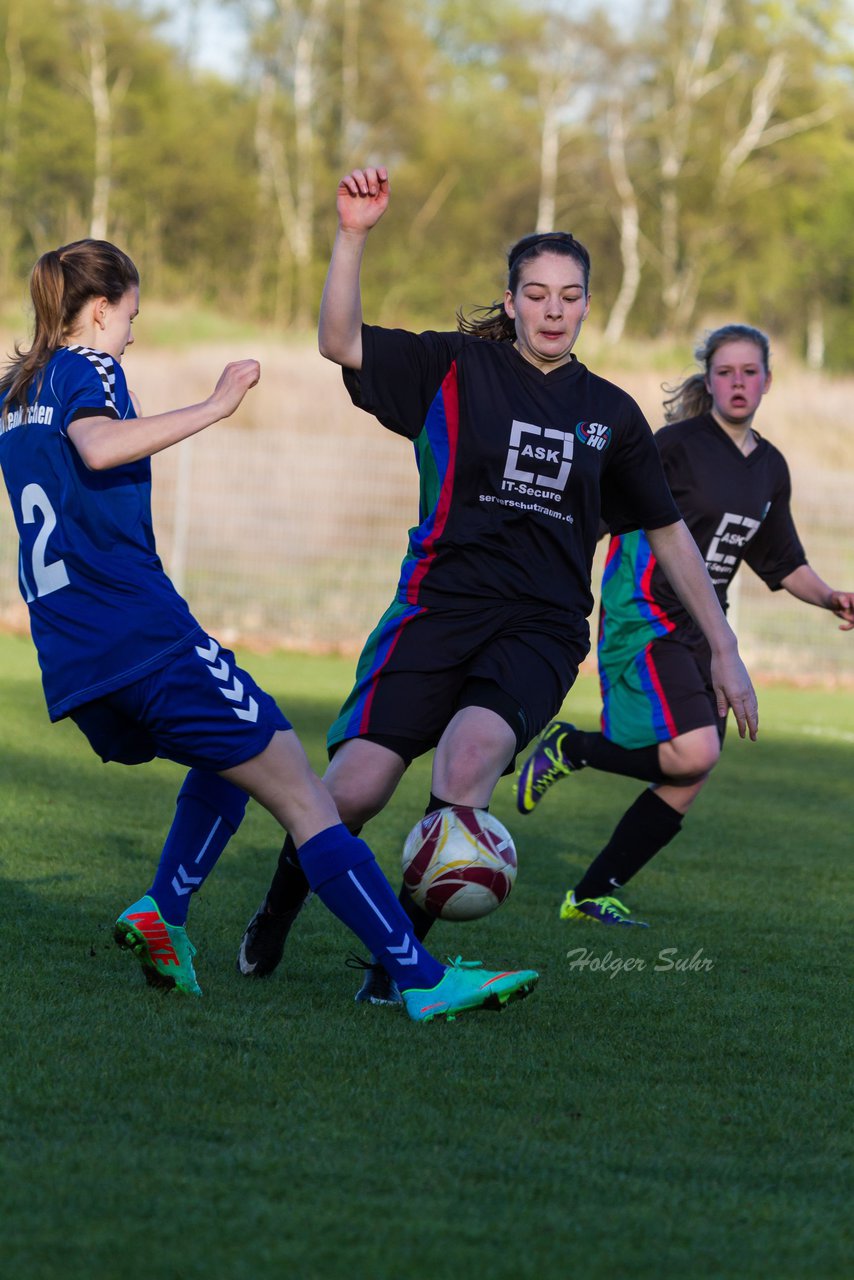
660	718
521	449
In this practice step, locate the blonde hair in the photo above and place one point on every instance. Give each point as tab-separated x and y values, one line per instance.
691	397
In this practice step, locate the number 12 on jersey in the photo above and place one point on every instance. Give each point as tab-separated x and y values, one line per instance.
47	577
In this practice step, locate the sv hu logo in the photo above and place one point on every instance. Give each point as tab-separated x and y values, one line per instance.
594	434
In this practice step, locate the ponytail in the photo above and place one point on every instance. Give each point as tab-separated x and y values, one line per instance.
61	282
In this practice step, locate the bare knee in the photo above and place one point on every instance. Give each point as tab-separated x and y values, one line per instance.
361	778
472	754
691	756
354	806
462	767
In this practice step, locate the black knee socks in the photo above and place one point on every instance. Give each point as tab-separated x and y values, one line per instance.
289	887
643	830
597	752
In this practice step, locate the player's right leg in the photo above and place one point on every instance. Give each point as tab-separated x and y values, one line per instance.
342	871
371	744
545	765
361	778
659	725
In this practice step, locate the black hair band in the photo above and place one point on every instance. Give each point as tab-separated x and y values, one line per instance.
555	237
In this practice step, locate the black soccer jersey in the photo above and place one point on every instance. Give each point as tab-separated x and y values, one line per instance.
516	466
736	507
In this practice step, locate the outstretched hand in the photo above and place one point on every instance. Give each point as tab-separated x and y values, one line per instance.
235	380
362	198
842	604
733	688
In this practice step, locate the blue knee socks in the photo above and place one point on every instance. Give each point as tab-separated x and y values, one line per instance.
343	873
209	811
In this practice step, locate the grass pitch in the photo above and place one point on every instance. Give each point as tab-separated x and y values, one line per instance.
669	1103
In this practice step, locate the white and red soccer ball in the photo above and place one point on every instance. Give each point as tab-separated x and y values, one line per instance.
459	863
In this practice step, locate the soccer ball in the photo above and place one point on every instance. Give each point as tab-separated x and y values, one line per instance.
459	863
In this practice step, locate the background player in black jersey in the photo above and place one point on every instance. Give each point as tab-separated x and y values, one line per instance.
521	450
660	718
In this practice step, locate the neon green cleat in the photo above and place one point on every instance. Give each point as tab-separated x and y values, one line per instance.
465	987
164	950
605	910
545	765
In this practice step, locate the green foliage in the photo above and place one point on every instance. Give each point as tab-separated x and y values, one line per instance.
660	1122
223	191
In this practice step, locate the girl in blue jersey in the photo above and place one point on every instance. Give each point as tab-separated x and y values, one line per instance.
660	718
122	655
520	449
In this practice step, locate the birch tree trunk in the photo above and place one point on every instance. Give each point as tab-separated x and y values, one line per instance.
683	260
549	154
815	335
99	95
11	138
287	173
629	228
349	81
102	96
302	239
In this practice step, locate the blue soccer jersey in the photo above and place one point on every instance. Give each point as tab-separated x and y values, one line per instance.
102	611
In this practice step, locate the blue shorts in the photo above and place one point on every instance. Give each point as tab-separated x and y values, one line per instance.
200	710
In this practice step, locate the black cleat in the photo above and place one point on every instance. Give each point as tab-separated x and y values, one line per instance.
263	943
378	987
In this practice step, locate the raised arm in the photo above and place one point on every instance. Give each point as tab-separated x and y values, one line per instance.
685	569
362	201
805	584
110	442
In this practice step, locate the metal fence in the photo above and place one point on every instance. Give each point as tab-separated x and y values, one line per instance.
287	528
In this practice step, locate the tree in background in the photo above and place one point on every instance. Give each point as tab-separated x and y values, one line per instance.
701	135
695	152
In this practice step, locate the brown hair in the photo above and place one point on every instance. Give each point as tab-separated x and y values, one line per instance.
493	321
691	397
61	282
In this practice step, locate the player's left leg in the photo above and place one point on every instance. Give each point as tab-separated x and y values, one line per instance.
564	749
361	778
646	828
477	748
676	717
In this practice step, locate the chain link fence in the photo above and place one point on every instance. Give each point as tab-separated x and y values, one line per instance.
286	525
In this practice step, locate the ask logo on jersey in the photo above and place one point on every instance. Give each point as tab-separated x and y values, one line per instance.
727	546
539	460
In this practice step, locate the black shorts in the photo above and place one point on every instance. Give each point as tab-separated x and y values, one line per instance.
420	665
665	692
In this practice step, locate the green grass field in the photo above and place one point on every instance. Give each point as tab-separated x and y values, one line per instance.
662	1121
